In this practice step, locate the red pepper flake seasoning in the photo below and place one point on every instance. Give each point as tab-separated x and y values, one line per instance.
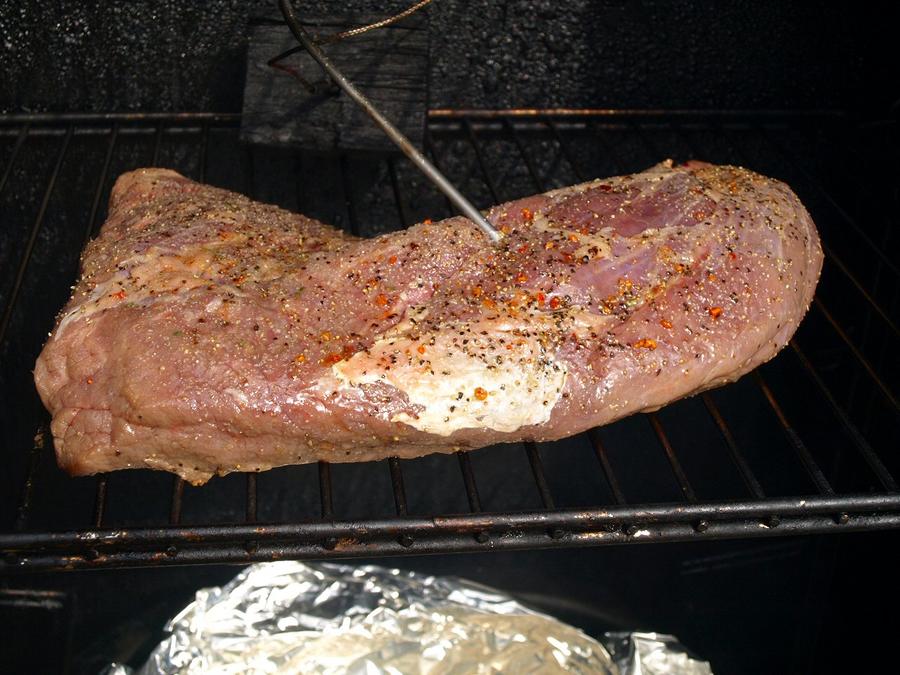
505	229
392	260
645	343
421	349
490	304
527	215
427	221
120	295
523	248
381	300
477	291
300	358
549	245
540	297
732	255
332	358
554	303
481	393
680	268
325	336
665	323
711	276
521	278
568	257
715	312
90	380
573	238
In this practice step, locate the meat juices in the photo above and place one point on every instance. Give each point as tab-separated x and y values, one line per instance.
209	333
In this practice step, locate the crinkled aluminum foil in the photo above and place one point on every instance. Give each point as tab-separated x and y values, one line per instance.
292	617
652	654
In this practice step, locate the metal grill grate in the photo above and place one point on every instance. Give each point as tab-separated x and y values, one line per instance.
804	445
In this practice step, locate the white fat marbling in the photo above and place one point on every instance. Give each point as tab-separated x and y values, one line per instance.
521	381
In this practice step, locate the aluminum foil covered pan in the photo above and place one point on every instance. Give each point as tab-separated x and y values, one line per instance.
293	617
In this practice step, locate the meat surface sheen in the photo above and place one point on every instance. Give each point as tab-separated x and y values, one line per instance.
209	333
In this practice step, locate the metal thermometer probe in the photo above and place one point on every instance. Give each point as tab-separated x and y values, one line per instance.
464	205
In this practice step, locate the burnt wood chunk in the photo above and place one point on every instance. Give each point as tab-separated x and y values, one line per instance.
297	104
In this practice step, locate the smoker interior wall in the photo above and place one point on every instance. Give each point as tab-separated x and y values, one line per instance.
189	54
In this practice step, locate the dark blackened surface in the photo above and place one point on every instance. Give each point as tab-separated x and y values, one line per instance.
172	55
296	104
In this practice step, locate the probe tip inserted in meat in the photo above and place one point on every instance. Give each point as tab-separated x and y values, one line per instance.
408	149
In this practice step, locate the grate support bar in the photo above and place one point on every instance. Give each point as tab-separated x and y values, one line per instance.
568	527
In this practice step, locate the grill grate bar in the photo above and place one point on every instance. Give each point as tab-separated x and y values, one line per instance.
645	141
20	141
101	184
837	262
600	139
204	151
592	518
397	486
326	499
177	495
677	469
859	441
290	549
603	458
857	354
348	195
806	459
251	512
398	196
529	164
100	500
32	237
157	144
564	148
743	467
465	465
537	470
482	165
34	460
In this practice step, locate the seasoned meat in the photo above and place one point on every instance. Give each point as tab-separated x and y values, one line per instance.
209	333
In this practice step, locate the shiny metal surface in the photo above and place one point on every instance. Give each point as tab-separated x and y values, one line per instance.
293	617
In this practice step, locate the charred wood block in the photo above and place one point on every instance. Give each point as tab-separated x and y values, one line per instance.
297	105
